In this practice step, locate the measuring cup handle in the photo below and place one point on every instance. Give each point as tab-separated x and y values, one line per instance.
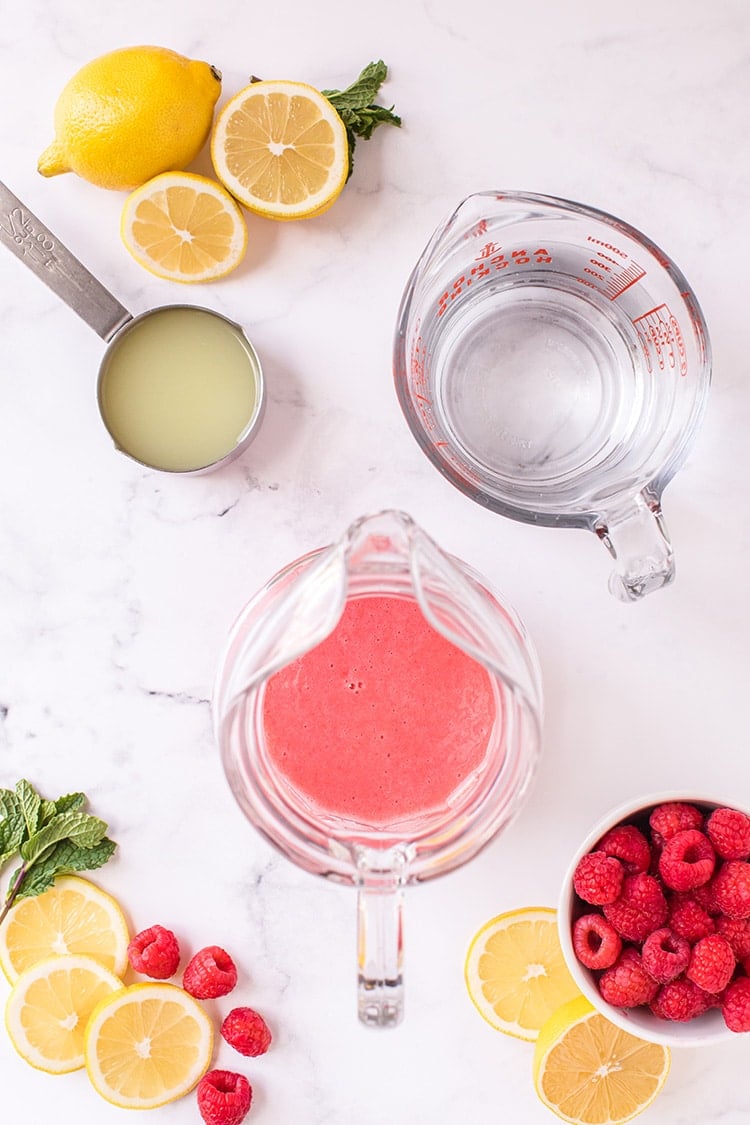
636	537
46	256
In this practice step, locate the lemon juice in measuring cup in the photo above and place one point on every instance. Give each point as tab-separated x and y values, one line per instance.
553	363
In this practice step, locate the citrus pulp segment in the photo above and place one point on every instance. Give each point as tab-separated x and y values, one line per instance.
49	1006
589	1072
515	971
184	227
281	149
147	1045
73	916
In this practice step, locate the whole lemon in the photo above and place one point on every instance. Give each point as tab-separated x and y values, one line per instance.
131	114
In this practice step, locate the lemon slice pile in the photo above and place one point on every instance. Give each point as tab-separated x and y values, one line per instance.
515	971
281	149
73	916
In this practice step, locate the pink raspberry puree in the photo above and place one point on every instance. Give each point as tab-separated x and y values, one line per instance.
383	720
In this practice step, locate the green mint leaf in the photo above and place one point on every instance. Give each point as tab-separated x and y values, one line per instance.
70	858
355	106
71	802
81	829
9	805
12	826
31	805
46	812
33	882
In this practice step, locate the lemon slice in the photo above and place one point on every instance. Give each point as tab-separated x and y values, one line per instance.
73	916
184	227
589	1072
281	149
515	972
48	1008
147	1045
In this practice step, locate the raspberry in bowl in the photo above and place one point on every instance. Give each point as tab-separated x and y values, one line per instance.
654	919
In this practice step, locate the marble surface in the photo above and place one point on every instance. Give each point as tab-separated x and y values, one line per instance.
118	584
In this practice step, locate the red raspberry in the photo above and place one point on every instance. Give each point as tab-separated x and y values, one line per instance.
731	888
737	933
210	973
597	944
729	832
712	963
665	955
627	843
246	1031
681	1000
687	860
672	817
735	1005
155	952
704	896
627	984
598	878
224	1098
688	918
640	909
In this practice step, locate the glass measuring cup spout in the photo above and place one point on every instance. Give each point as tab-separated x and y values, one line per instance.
554	364
352	789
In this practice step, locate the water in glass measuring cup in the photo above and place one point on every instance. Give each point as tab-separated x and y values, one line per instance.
554	364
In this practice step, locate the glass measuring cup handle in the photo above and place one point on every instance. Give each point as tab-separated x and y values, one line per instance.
44	254
380	935
636	537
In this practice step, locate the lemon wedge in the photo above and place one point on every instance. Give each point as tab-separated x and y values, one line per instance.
281	149
48	1008
184	227
147	1045
73	916
515	972
589	1072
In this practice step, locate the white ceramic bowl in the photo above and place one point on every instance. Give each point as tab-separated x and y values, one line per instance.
706	1029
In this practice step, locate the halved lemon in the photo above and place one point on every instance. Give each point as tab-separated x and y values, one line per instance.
589	1072
73	916
184	227
515	971
281	149
147	1045
49	1006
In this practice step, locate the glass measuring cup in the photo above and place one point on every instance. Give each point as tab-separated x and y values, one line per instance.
384	556
180	388
553	363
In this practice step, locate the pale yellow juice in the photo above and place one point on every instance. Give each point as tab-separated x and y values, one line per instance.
179	388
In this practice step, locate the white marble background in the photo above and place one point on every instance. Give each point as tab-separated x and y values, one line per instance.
117	584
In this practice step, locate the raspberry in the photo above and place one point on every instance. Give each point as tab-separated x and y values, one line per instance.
665	955
737	933
729	832
688	918
224	1098
640	909
687	860
627	843
246	1031
596	942
627	984
672	817
731	888
210	973
704	896
680	1000
712	963
155	952
598	878
735	1005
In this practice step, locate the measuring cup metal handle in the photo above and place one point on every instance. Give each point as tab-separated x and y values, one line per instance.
46	256
636	537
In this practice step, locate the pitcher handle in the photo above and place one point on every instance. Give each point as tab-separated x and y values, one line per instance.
636	537
380	937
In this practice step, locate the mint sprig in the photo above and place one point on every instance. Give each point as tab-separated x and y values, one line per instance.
357	108
52	838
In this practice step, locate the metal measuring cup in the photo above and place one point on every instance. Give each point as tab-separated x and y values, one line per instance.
50	260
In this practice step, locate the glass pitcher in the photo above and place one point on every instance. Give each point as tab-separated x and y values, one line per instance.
382	558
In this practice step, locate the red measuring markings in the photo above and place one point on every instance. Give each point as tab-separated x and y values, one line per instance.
661	339
491	259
